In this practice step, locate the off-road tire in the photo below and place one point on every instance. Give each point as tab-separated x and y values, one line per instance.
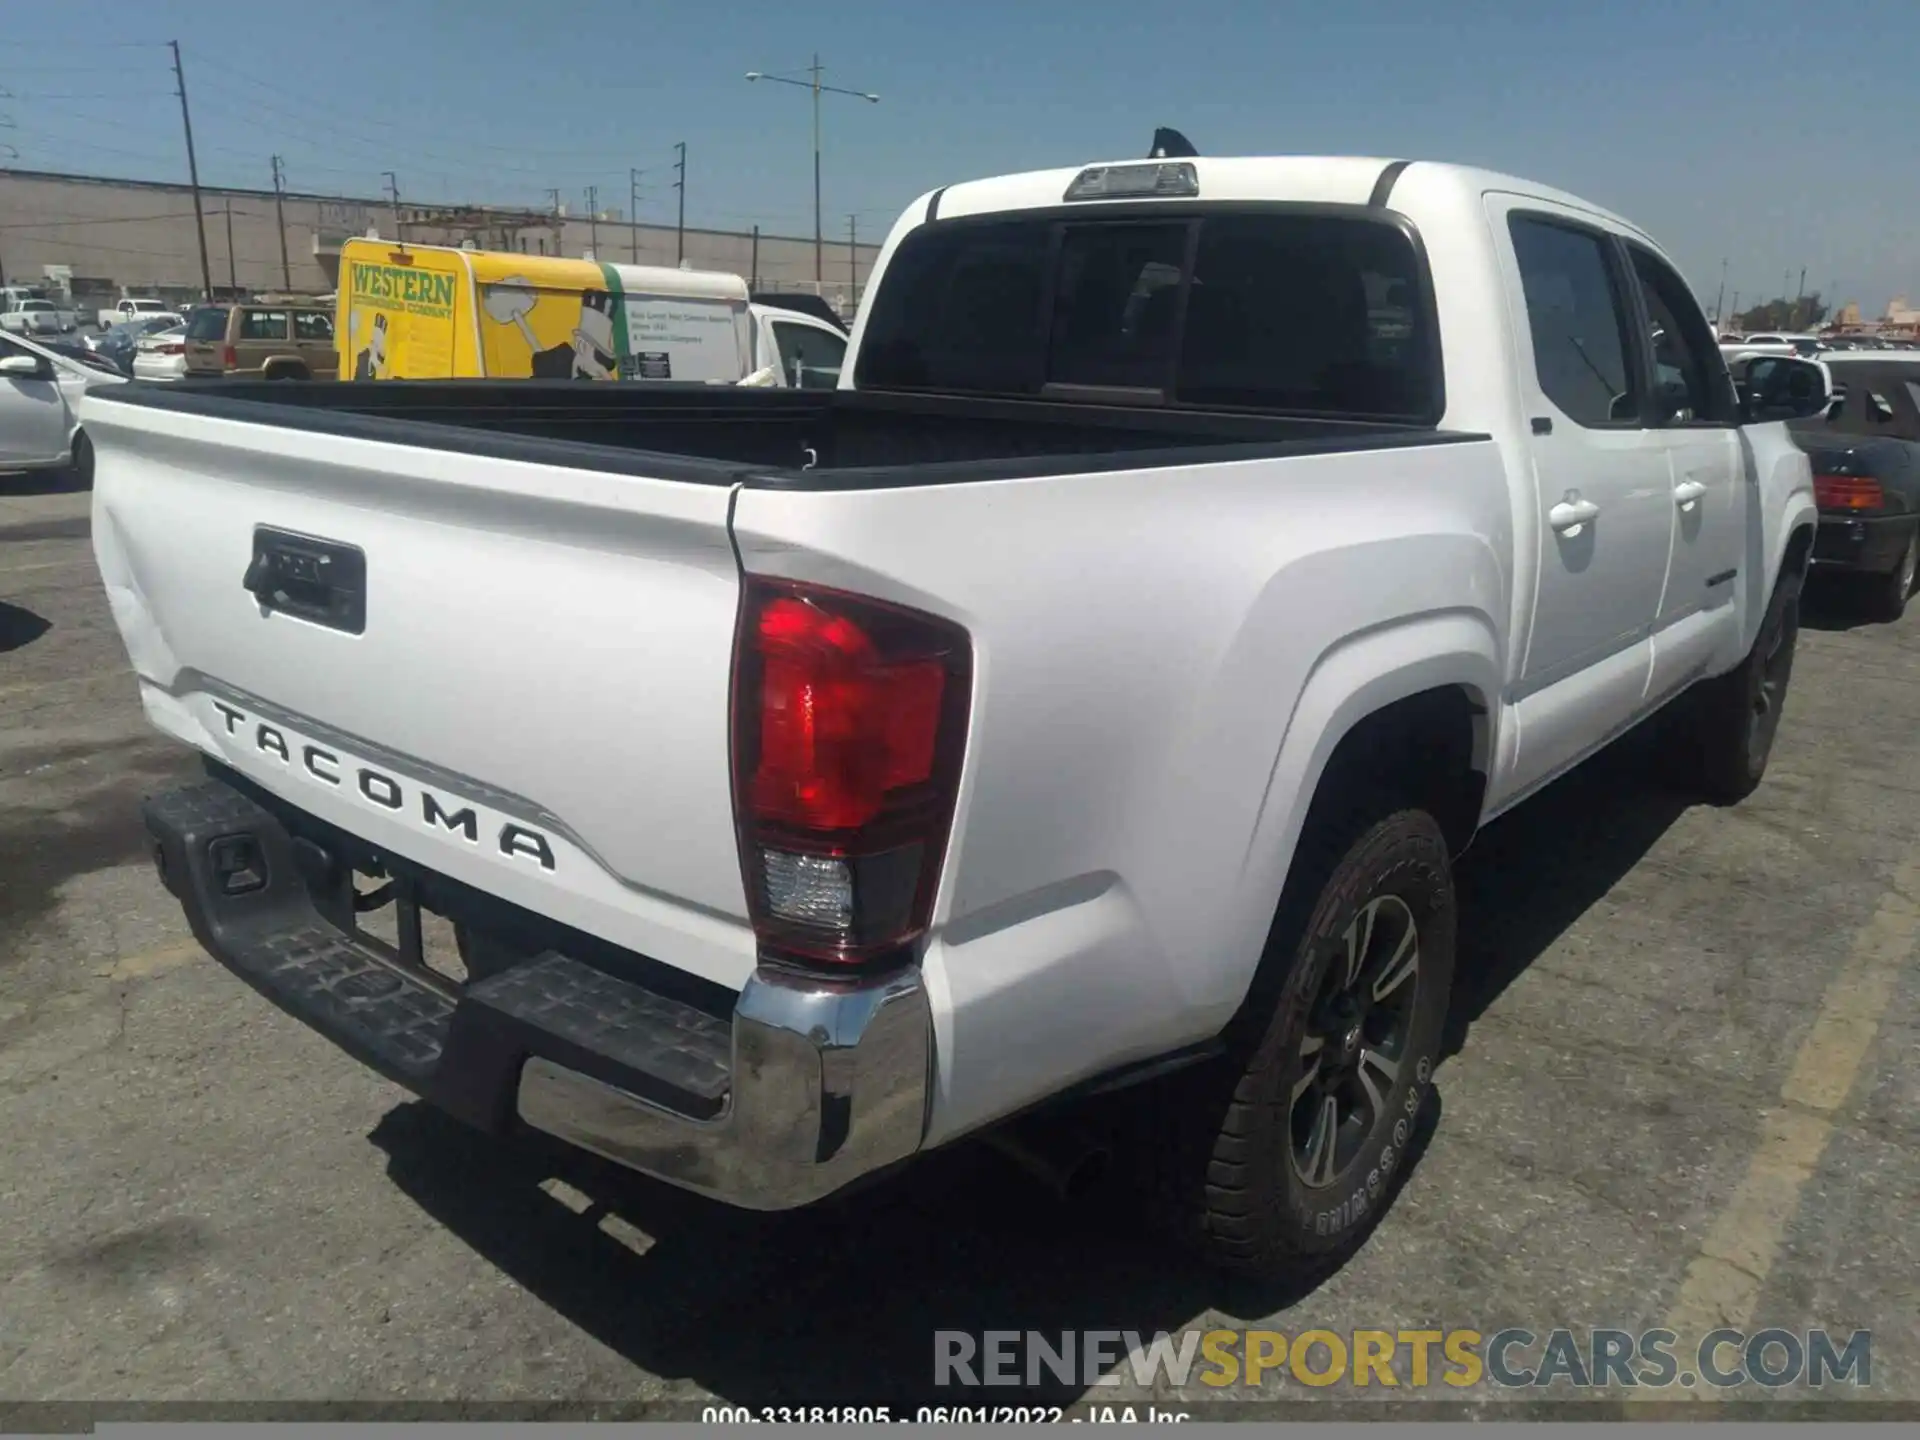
1225	1142
81	468
1736	716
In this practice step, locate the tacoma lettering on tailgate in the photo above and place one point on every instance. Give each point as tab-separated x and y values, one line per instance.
444	815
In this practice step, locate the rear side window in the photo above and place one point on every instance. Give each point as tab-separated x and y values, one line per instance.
1578	322
263	325
207	325
1275	309
312	325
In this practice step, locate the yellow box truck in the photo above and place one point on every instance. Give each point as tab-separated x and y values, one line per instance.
425	312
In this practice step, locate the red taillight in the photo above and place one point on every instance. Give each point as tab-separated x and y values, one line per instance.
230	357
171	349
1847	492
848	726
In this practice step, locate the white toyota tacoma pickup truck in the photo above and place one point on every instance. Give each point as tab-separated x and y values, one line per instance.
1098	684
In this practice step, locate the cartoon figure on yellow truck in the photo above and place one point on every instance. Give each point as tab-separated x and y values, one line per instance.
590	353
371	363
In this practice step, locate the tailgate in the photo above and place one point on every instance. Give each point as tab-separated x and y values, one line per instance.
521	682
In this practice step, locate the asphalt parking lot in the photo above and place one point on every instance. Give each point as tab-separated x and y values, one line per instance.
1685	1090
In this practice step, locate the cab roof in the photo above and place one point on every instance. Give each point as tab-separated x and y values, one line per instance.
1308	179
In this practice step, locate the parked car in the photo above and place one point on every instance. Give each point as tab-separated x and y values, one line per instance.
1865	453
34	317
1093	691
40	390
132	308
161	355
266	341
24	300
118	343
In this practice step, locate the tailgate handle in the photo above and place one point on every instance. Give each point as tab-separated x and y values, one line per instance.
321	581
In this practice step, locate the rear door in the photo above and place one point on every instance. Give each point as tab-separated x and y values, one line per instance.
1693	420
313	338
1604	523
261	333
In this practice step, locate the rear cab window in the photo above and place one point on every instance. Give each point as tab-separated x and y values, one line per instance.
1277	308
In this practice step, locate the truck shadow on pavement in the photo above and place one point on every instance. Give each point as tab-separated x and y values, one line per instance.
20	627
837	1304
841	1303
1836	602
1537	869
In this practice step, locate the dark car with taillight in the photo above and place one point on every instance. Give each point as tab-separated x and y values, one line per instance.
1865	451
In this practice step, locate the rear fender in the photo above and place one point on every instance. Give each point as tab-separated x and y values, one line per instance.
1361	675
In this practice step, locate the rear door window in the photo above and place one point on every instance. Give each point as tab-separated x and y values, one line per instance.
1272	309
1578	320
263	325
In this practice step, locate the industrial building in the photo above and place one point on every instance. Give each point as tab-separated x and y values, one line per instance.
101	237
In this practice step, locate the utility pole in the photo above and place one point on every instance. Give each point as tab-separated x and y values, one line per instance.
233	279
559	225
633	214
393	194
754	267
1736	305
1799	295
193	170
1718	314
593	220
680	239
853	253
814	70
280	210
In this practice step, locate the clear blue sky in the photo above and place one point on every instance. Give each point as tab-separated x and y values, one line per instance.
1770	133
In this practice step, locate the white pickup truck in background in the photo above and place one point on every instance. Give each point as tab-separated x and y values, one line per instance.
1093	691
131	308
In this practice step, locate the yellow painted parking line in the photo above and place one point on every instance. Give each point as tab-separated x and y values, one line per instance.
141	966
153	962
1723	1283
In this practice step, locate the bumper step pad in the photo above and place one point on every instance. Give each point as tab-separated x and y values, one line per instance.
231	864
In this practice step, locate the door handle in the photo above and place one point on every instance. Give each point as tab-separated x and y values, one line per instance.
1687	492
1570	515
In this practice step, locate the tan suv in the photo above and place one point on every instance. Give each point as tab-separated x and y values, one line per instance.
262	341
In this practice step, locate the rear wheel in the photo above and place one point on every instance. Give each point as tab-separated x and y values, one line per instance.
1890	591
82	467
1278	1162
1737	715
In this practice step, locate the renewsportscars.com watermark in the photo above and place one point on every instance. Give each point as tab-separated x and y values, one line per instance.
1512	1358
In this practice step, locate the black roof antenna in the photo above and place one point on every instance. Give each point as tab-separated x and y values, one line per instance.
1169	144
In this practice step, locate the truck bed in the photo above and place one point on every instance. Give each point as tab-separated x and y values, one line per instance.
841	439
